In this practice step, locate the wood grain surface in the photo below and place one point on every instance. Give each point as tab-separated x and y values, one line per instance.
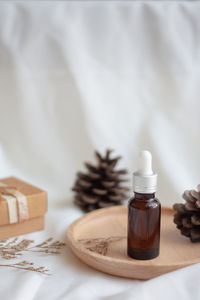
99	239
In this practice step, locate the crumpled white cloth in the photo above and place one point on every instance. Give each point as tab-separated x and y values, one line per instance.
78	76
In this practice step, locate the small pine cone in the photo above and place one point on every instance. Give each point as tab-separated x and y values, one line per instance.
102	185
187	217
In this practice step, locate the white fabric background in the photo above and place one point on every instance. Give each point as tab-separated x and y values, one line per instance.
80	76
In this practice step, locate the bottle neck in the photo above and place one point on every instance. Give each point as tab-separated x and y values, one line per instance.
144	196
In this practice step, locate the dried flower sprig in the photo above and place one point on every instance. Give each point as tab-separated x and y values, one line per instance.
27	266
13	248
100	245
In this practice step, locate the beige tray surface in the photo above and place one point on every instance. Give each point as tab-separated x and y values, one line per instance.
99	240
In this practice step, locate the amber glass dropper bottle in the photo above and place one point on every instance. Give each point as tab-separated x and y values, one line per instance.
144	212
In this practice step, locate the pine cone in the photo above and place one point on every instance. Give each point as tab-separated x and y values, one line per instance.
187	217
101	185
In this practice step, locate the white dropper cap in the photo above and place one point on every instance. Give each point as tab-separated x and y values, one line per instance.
145	180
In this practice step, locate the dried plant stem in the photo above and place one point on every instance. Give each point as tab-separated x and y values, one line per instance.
13	248
100	245
16	266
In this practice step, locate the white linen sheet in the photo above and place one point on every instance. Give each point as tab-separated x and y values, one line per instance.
78	76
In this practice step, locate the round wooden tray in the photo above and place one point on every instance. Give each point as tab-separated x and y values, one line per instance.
100	240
